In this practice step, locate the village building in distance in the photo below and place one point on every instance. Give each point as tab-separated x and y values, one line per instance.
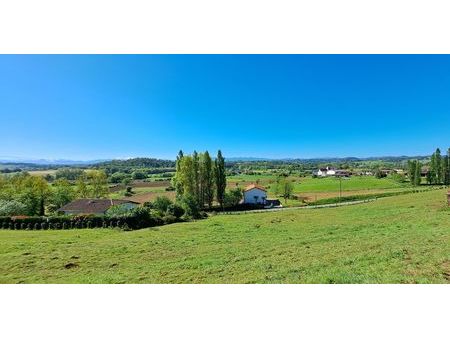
87	206
331	172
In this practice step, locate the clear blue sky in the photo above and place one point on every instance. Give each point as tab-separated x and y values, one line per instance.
97	107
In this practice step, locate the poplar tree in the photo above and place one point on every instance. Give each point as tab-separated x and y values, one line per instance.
412	172
185	176
446	168
220	178
438	160
418	175
432	173
196	172
207	179
176	181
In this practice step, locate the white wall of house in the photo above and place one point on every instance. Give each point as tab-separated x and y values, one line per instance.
321	173
331	172
255	196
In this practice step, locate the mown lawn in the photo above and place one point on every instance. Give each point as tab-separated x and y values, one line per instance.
403	239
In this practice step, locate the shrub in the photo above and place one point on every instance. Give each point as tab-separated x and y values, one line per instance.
191	207
161	204
175	210
12	208
169	219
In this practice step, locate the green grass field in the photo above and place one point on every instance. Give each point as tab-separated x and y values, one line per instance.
402	239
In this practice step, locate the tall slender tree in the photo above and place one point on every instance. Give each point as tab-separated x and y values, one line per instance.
412	172
432	172
186	176
207	179
418	174
176	181
196	172
220	178
438	160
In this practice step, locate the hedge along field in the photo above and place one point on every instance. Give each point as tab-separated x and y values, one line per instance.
401	239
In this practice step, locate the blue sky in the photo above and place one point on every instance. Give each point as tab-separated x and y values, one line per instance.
275	106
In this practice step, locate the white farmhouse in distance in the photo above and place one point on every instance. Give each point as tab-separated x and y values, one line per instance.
324	172
254	194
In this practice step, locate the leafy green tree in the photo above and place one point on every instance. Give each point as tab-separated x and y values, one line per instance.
63	193
68	174
139	175
232	197
190	206
285	188
220	178
162	204
175	210
12	208
82	190
99	183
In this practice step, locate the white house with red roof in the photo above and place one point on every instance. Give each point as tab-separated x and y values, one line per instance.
255	194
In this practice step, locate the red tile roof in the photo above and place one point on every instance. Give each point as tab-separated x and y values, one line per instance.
254	186
92	206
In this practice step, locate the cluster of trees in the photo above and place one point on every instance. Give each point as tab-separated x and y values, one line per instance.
439	172
415	172
25	194
162	208
200	180
283	187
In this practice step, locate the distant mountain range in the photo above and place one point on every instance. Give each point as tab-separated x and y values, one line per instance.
18	160
328	159
65	162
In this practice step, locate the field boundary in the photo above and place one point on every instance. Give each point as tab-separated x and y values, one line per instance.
365	199
322	206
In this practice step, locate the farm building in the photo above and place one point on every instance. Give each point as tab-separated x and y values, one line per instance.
94	206
328	171
255	194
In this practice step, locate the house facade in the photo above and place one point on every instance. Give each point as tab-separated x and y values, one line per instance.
254	194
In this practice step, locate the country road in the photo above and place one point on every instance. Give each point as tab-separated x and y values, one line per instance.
333	205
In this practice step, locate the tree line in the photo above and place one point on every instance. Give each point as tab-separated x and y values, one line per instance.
199	179
437	173
25	194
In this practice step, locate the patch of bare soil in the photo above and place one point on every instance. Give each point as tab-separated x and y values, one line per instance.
71	265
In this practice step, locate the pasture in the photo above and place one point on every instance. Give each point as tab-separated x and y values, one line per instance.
305	188
401	239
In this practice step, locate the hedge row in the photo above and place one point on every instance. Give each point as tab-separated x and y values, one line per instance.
81	222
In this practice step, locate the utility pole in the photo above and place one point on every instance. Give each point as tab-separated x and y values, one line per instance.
340	188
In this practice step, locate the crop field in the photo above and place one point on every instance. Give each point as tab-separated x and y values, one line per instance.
42	172
401	239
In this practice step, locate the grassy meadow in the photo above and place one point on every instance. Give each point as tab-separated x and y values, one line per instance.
402	239
305	188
